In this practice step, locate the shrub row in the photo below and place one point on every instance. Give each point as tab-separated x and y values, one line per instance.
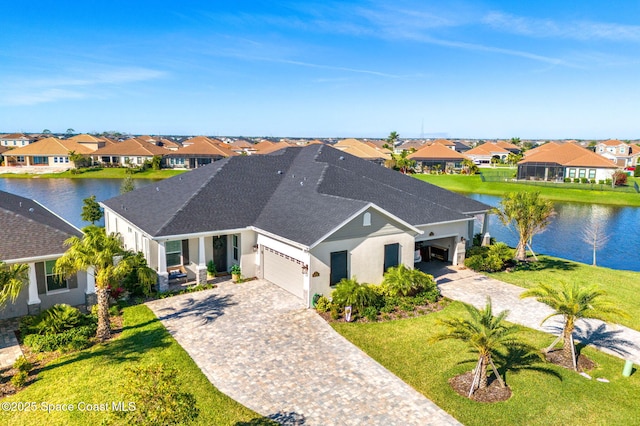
70	340
489	259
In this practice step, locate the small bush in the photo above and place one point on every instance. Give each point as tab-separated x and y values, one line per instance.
489	259
567	180
211	268
19	379
349	292
22	364
607	181
74	339
335	312
601	182
636	171
370	313
619	178
401	281
323	304
56	319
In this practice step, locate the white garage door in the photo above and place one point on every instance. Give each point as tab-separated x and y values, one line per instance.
283	271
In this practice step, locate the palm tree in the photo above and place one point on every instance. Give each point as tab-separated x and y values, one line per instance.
110	263
403	162
573	302
528	214
12	279
392	139
485	334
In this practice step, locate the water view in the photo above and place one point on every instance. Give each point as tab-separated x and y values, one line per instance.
563	238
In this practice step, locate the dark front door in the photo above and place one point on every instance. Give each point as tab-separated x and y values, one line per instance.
220	253
391	256
338	266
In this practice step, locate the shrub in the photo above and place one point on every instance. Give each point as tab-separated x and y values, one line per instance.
74	339
401	281
19	379
349	292
323	304
502	251
607	181
601	181
636	171
489	259
584	180
134	281
619	178
335	312
576	180
158	397
211	268
370	313
567	180
56	319
22	364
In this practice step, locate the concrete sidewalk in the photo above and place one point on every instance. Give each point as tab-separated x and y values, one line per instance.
474	288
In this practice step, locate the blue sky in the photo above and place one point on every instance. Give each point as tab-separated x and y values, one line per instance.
491	69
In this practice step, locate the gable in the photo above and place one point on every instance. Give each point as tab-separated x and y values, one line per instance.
378	225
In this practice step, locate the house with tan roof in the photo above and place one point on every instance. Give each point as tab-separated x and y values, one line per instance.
93	142
621	153
482	154
266	147
51	152
509	147
439	157
15	140
362	150
198	151
556	162
131	152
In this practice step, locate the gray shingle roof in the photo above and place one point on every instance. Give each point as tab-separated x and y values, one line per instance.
296	193
28	230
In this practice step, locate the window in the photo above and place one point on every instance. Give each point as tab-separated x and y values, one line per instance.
391	256
572	173
366	219
173	253
338	267
54	282
592	174
234	244
582	173
622	150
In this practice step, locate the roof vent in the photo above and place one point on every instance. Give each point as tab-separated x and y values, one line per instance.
157	189
31	210
279	172
301	183
341	157
20	203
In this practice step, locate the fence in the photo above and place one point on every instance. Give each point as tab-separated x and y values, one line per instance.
509	177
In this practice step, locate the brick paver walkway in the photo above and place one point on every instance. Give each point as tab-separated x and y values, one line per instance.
259	345
474	288
9	347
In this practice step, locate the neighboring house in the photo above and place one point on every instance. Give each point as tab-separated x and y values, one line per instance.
15	140
363	150
411	146
555	162
439	157
266	147
240	146
91	142
482	154
131	152
3	149
514	149
446	143
302	218
197	152
621	153
34	235
50	152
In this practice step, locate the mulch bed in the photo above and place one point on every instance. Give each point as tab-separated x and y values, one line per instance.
494	392
396	314
557	357
39	360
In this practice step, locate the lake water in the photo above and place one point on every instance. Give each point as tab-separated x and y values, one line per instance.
563	238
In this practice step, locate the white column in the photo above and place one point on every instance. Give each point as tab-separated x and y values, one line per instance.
91	281
201	254
33	286
162	258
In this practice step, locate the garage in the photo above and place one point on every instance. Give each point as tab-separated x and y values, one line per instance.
284	271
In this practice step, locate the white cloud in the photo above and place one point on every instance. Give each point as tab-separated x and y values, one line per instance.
576	30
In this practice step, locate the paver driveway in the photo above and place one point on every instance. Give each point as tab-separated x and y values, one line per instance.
259	345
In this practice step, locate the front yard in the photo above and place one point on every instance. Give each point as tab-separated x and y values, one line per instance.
96	376
558	397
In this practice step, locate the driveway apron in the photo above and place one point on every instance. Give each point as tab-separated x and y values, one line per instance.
258	344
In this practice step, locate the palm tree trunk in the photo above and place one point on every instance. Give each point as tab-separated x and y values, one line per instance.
483	373
521	250
104	324
567	350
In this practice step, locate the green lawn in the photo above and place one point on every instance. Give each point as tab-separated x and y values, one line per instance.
95	376
560	398
474	184
106	173
621	286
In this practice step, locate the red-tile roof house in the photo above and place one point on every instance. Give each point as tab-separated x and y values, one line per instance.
622	153
362	150
198	151
482	154
438	156
559	161
50	152
131	152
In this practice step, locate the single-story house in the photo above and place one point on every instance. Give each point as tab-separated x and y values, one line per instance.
51	152
33	235
437	156
131	152
363	150
557	161
302	218
3	149
197	152
482	154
